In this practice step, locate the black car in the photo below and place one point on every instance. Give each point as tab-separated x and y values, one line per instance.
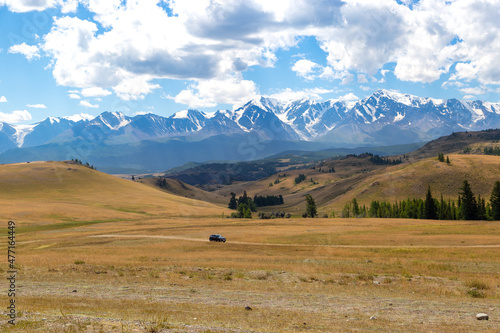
217	238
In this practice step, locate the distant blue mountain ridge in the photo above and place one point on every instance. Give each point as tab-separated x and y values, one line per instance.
384	118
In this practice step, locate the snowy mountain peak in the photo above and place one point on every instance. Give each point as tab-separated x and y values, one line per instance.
113	120
53	120
395	96
384	117
79	117
188	114
22	131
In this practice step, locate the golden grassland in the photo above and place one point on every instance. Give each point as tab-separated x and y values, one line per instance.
98	253
362	180
61	192
331	274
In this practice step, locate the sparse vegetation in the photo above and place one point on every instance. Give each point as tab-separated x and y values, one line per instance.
311	210
79	162
492	151
300	178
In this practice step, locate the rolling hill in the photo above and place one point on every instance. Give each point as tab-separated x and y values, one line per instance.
358	176
63	192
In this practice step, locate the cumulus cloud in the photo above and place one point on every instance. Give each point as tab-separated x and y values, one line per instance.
23	6
87	104
29	51
126	47
15	117
209	93
95	92
80	116
474	91
3	99
305	68
289	94
362	78
74	96
36	106
20	6
349	97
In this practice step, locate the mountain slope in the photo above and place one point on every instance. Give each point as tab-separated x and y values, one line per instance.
65	192
384	118
361	178
378	119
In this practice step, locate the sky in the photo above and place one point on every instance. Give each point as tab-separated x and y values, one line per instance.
79	58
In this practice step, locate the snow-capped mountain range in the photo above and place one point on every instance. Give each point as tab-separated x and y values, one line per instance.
385	117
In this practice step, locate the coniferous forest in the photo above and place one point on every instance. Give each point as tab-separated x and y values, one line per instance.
466	207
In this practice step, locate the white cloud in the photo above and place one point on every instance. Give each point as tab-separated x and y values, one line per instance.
349	97
74	96
464	71
80	116
3	99
305	68
134	88
36	106
362	78
29	51
289	94
347	79
449	83
95	92
474	91
469	97
15	117
208	41
23	6
87	104
209	93
20	6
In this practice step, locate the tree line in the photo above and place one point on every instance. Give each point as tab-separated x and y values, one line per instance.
467	207
268	200
492	151
244	205
79	162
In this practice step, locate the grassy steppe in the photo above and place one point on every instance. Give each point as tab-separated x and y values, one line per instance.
98	253
361	179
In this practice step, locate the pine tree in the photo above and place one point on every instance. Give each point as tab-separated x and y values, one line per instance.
310	206
442	209
468	207
481	208
430	206
232	202
355	208
495	202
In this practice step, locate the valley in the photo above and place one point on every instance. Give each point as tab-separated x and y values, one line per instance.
100	253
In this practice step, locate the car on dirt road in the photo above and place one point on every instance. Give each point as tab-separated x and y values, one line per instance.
217	238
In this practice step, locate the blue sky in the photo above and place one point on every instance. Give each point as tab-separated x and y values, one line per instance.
71	57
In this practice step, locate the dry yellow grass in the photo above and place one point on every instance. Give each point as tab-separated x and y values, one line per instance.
332	274
362	180
100	264
411	180
60	192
